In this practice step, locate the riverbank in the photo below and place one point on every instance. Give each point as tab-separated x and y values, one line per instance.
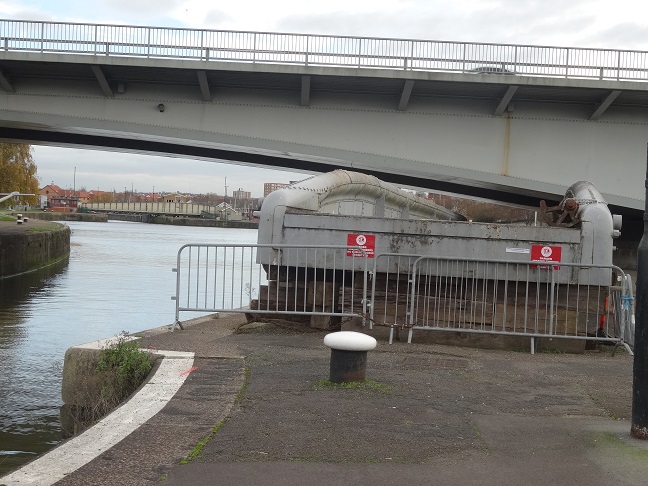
53	216
141	218
255	408
31	246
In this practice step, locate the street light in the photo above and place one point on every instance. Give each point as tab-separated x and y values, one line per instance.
225	200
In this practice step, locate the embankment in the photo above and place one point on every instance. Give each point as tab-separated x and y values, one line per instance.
30	246
54	216
141	218
211	223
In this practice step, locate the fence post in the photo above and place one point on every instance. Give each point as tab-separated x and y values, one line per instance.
639	427
551	300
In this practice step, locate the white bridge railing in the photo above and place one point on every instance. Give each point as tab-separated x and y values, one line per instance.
321	50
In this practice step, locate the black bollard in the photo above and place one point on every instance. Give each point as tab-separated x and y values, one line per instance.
639	427
347	366
348	355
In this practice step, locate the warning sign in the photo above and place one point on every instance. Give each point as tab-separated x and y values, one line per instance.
365	242
546	253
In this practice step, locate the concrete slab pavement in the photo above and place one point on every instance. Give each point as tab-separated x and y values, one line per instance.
256	411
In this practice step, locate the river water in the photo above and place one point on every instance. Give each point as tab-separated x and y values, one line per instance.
118	278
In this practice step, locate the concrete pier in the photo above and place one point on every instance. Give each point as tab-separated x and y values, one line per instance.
30	246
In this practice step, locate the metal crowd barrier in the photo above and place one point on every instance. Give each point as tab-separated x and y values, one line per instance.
321	50
409	292
530	299
271	280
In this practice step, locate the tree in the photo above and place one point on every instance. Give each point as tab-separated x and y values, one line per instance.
18	170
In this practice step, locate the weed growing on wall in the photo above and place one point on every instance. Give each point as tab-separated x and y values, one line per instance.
110	376
124	368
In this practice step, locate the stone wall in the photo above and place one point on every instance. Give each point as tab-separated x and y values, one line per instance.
32	247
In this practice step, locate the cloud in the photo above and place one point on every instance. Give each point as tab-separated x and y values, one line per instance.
627	35
114	170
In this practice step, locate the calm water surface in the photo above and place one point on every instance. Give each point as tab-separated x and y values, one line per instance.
118	278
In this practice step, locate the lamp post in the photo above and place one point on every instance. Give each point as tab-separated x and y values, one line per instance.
639	427
225	201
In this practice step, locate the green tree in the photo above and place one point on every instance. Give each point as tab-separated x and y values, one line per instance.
18	171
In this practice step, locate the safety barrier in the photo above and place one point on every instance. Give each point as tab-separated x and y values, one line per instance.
321	50
271	280
528	299
412	292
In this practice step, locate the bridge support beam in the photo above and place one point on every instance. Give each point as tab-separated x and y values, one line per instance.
103	82
506	99
405	95
204	86
305	90
605	104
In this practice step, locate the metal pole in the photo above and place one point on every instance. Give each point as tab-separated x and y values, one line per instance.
639	427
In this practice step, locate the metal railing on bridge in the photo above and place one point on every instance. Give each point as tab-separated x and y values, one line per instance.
322	50
411	292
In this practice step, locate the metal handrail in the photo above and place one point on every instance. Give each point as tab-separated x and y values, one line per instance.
322	50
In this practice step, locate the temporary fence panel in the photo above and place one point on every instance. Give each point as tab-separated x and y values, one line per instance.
413	292
516	298
270	279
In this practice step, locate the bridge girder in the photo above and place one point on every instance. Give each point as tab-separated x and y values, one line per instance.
440	101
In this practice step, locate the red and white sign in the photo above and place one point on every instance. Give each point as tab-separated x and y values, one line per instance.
546	253
365	242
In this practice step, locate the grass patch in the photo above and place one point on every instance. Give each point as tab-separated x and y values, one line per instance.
5	217
613	441
246	381
553	351
370	385
196	452
38	229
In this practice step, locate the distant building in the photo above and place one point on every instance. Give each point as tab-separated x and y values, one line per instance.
227	213
51	190
268	187
174	198
63	204
241	195
62	199
84	196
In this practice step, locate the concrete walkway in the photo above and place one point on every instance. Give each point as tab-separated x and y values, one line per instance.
254	411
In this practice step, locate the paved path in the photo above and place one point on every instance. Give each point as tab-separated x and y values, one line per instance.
435	415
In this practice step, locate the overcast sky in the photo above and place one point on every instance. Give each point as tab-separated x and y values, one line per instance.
618	24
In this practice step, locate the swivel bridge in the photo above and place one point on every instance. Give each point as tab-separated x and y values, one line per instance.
514	123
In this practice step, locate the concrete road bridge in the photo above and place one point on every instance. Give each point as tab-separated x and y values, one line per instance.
513	123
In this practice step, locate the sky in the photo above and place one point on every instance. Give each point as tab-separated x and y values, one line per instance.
618	24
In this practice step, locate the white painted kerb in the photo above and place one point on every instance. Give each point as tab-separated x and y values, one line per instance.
76	452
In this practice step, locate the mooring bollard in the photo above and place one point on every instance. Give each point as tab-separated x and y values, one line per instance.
348	355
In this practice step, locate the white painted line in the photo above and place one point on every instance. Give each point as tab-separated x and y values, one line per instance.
80	450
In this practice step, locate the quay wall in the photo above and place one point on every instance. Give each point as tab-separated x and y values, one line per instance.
32	246
210	223
54	216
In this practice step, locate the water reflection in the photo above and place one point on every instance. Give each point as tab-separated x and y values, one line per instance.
26	429
118	278
15	293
